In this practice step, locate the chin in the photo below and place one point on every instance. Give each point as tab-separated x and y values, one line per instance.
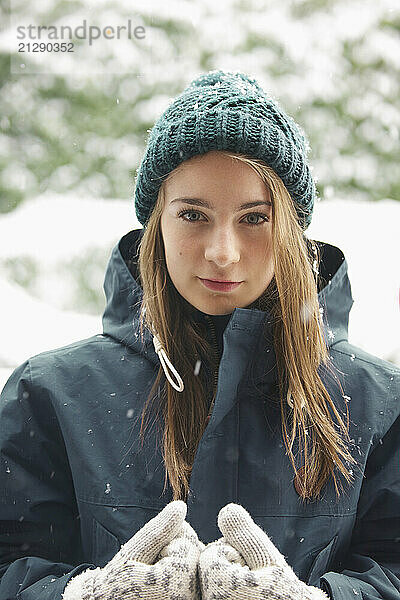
215	313
218	308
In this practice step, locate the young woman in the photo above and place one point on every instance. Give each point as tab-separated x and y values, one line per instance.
223	387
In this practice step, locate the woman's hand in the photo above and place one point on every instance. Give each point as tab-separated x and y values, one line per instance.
158	563
245	564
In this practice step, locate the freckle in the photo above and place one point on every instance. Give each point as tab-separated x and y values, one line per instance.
180	253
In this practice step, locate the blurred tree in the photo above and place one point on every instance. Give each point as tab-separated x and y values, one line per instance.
334	68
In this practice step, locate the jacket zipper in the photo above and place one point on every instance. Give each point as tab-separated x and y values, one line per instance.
215	379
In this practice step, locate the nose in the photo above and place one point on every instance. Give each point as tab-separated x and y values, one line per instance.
222	248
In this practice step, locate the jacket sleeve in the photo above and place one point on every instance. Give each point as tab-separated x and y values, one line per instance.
40	544
372	565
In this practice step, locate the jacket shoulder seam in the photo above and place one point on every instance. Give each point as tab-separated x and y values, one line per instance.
72	345
387	368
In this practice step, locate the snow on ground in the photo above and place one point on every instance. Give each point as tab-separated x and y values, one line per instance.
51	229
29	325
54	227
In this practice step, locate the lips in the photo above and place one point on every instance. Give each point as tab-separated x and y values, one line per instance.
221	281
220	286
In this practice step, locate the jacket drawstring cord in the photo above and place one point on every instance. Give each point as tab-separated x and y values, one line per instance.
164	360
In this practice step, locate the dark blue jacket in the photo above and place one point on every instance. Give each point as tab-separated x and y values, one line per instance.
76	483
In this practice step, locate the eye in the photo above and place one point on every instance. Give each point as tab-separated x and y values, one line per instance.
258	216
183	213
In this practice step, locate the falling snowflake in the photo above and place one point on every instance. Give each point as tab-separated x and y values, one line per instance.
306	312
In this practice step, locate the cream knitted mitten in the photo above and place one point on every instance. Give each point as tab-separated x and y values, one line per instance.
159	563
246	565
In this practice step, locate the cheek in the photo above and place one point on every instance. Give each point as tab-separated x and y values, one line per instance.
265	261
178	249
171	238
262	252
184	246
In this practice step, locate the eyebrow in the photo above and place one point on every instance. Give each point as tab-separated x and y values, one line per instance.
205	204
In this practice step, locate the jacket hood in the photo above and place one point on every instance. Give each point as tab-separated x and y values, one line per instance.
123	291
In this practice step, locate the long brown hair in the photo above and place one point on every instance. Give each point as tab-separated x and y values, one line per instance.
300	348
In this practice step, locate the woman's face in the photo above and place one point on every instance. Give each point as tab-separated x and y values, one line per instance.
217	224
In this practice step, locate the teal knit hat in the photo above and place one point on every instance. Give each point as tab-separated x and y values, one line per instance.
223	110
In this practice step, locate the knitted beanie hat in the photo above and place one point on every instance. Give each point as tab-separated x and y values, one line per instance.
224	110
